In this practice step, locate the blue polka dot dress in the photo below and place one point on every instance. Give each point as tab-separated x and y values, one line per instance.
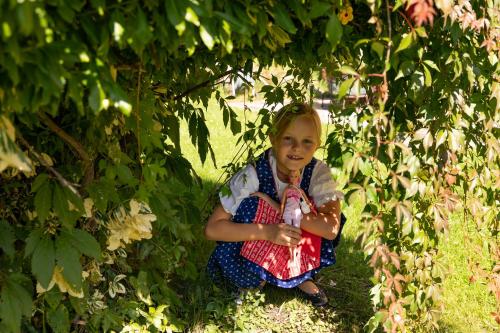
227	266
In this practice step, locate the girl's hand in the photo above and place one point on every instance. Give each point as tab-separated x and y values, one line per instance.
283	234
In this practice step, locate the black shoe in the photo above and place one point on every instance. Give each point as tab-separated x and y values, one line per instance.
317	299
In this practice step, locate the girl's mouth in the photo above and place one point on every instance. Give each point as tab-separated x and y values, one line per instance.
294	157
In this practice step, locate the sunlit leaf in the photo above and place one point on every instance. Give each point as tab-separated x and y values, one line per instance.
406	41
345	86
333	30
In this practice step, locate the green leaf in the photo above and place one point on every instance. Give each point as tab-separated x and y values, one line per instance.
203	140
66	13
124	107
15	302
206	37
25	15
378	48
84	242
431	64
43	261
192	125
225	116
32	241
96	97
142	32
282	18
102	192
427	76
53	297
299	10
333	30
348	70
345	86
365	167
7	238
12	70
125	175
68	258
441	137
75	200
358	199
61	207
421	32
173	13
39	181
406	68
43	201
319	9
405	42
420	134
58	319
192	17
234	123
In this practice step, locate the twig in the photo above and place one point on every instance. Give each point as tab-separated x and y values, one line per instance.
384	73
204	83
64	182
88	163
407	21
138	116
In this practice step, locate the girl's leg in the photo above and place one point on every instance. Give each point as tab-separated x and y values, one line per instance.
308	287
313	293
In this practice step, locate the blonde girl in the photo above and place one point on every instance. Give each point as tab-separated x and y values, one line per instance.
247	214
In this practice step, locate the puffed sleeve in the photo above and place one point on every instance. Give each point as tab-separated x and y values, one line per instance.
322	187
243	183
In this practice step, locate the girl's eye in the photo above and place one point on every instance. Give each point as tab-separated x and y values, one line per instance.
308	142
287	138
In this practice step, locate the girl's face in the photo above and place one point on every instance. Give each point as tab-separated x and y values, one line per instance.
296	146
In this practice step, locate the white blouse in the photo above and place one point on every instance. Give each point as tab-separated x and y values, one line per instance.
322	187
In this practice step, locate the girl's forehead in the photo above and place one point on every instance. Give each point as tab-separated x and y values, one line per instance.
302	123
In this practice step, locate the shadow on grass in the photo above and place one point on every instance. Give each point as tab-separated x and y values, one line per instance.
207	308
347	284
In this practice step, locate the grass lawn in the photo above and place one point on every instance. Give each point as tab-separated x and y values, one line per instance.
467	305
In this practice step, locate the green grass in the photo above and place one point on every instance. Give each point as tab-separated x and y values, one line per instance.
467	305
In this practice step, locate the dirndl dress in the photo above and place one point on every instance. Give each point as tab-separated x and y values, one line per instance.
226	265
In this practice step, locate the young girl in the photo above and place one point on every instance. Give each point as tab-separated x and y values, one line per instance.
245	214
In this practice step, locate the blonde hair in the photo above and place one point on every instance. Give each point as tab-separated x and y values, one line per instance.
288	113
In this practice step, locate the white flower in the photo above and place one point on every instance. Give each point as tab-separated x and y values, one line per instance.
126	227
64	286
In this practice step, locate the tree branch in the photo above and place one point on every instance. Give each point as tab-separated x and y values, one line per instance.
88	163
204	83
64	182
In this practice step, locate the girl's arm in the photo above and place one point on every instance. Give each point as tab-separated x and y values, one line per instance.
327	223
220	228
